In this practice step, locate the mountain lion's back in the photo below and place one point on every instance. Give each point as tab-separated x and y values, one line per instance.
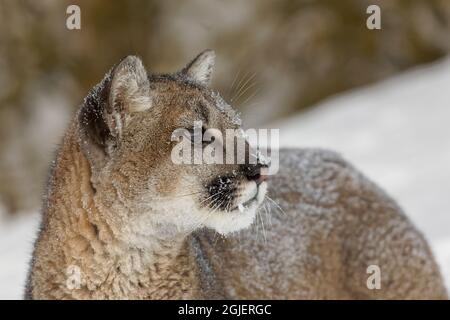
320	235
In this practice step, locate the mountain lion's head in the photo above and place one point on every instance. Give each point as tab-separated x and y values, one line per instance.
126	132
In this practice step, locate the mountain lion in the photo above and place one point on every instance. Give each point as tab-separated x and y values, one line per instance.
122	221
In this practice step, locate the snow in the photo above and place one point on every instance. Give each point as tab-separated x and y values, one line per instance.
396	132
16	243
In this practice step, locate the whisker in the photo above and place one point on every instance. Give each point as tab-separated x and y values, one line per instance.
247	81
239	85
218	194
244	76
244	87
245	90
250	96
262	225
228	206
215	194
276	204
267	213
202	221
230	90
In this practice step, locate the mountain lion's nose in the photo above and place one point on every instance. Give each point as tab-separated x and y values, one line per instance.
257	173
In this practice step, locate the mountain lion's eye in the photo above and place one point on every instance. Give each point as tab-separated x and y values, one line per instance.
196	134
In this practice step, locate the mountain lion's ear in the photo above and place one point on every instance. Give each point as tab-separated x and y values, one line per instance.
130	89
200	69
123	91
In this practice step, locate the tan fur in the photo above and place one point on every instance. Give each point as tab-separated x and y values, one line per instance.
133	223
75	233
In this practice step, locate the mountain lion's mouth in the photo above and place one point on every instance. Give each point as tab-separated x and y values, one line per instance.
257	199
229	193
244	206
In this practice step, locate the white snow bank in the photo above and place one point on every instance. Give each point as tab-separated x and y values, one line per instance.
16	243
398	133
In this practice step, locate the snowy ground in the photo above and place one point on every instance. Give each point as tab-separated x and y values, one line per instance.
397	132
16	241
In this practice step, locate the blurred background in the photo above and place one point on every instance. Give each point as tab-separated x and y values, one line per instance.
310	68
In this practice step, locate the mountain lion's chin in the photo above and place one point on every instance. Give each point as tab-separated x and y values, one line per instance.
228	222
241	216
